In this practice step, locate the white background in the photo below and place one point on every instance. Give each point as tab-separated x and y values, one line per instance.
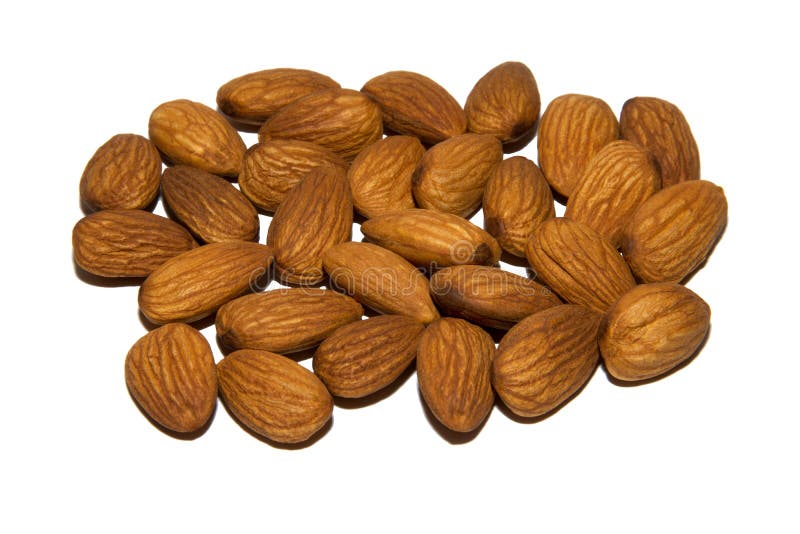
711	448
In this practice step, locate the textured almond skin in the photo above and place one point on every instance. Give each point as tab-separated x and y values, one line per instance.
516	200
208	205
617	180
380	177
194	284
190	133
365	356
505	103
124	173
454	362
341	120
572	130
314	216
581	266
545	359
413	104
127	243
170	373
489	296
430	238
660	127
274	396
271	169
284	320
452	175
380	279
673	232
651	329
256	96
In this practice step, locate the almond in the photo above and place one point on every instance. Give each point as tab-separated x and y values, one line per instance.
660	127
545	359
578	264
190	133
573	129
313	217
489	296
380	177
380	279
454	362
208	205
342	120
652	329
366	356
413	104
170	373
284	320
673	232
452	175
516	200
124	173
127	243
194	284
274	396
430	238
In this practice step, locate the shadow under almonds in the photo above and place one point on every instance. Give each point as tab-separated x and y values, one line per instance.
184	436
104	281
451	436
200	324
352	404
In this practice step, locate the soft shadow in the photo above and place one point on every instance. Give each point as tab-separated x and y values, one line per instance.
105	281
700	267
523	140
558	197
200	324
516	261
240	125
353	404
184	436
451	436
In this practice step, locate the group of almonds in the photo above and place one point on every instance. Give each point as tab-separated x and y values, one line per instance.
608	274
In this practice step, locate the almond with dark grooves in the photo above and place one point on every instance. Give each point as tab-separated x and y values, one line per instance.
208	205
314	216
380	279
124	173
652	329
194	284
284	320
363	357
190	133
273	396
545	359
454	363
581	266
171	375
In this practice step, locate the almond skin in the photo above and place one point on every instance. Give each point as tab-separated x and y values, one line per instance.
452	175
573	129
170	373
363	357
661	128
380	177
545	359
673	232
380	279
430	238
652	329
314	216
127	243
284	320
190	133
617	180
274	396
516	200
194	284
271	169
255	97
581	266
413	104
489	296
341	120
454	362
124	173
505	103
208	205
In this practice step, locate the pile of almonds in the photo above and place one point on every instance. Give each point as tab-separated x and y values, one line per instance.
415	166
